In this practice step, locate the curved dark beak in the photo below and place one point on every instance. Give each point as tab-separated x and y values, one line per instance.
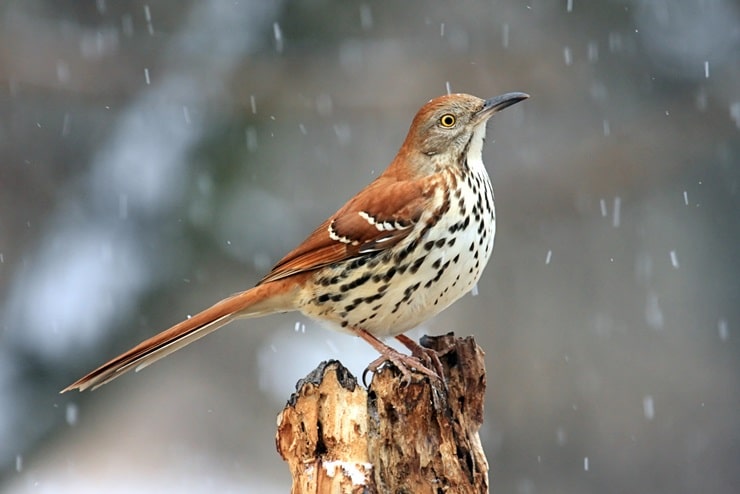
498	103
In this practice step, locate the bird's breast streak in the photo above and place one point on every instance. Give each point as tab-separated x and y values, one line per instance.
392	291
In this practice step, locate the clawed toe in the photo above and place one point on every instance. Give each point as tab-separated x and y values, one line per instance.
422	360
404	363
428	356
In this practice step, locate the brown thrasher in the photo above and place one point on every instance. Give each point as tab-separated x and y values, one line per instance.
407	246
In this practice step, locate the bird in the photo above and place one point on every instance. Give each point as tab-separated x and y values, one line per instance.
408	245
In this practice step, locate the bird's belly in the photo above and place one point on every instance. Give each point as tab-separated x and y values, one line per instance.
389	292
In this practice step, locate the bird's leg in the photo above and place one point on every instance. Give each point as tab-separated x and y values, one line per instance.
388	354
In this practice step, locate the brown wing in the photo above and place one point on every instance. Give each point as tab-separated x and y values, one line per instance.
377	218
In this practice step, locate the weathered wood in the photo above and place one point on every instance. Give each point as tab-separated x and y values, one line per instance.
322	433
415	438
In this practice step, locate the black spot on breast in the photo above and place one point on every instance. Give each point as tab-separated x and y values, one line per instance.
389	274
488	197
373	298
437	263
324	297
357	263
355	283
439	275
326	281
417	264
402	255
407	294
410	290
456	258
451	242
429	245
440	242
460	225
350	307
442	270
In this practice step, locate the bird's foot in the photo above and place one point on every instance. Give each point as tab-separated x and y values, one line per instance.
404	363
428	356
419	361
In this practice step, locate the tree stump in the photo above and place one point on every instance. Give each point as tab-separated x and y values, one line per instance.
411	438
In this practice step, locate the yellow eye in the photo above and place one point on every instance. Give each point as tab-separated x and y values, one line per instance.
447	120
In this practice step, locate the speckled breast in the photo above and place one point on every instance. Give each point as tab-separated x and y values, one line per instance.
392	291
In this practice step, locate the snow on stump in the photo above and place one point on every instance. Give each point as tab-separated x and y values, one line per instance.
417	438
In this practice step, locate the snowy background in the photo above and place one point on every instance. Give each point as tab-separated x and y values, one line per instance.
155	157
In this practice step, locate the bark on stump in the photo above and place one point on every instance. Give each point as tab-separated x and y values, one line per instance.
418	438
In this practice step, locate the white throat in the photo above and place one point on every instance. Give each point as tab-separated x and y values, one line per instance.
475	151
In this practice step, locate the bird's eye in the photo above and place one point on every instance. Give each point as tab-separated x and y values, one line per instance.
447	120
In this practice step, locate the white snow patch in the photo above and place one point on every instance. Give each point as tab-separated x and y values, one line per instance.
355	471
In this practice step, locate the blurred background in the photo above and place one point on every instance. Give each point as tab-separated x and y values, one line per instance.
156	157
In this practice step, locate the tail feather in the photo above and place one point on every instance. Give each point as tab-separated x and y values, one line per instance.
261	300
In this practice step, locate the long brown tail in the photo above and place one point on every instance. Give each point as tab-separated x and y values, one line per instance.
261	300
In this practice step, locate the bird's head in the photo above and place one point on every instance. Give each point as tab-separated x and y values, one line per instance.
445	128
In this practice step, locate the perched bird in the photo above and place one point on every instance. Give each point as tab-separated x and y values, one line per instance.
408	245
